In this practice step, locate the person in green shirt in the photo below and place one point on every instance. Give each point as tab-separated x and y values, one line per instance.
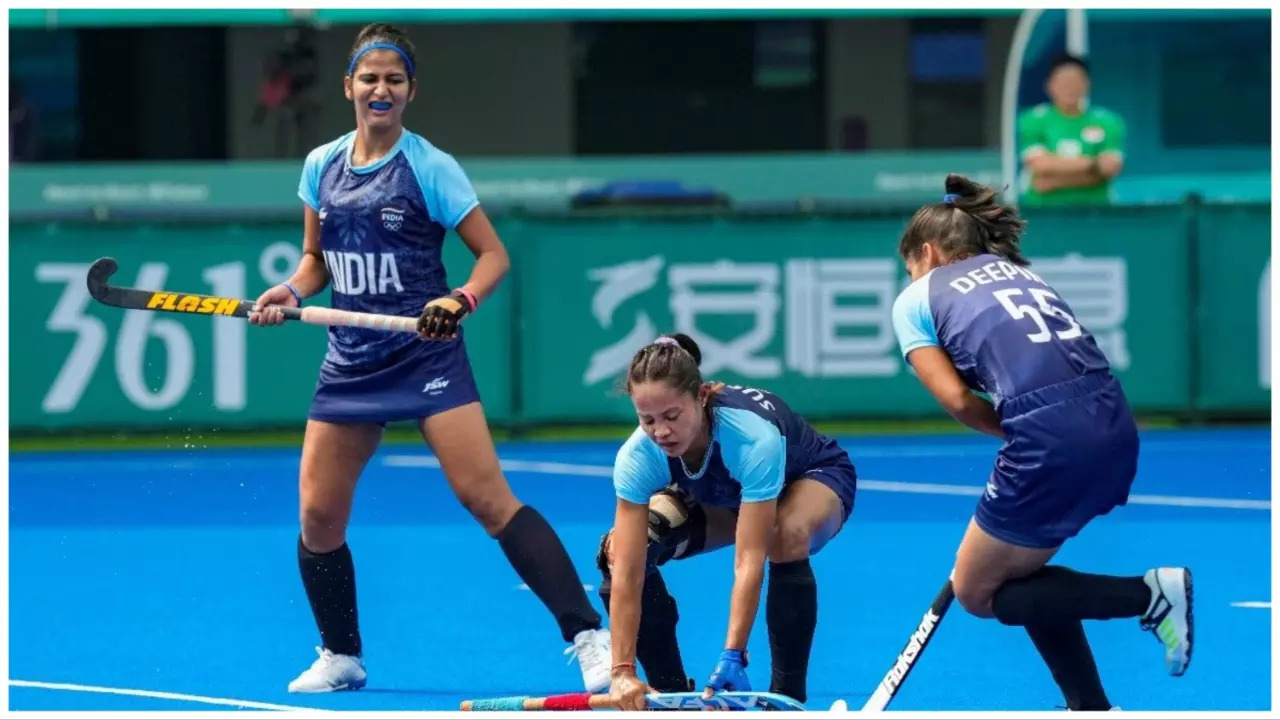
1070	150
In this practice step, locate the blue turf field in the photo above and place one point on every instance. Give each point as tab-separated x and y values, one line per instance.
175	572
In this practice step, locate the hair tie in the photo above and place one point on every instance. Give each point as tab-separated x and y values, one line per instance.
355	59
950	198
664	340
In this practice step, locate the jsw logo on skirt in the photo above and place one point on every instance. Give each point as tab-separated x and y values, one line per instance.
436	386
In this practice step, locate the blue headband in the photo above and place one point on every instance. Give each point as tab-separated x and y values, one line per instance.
408	64
950	198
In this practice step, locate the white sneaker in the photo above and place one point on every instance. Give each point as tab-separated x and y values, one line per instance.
1169	616
330	673
594	650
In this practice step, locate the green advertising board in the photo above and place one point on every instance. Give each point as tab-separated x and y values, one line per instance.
804	307
1176	296
76	363
1233	316
268	189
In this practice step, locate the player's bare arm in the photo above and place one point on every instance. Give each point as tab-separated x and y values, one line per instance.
939	376
751	547
492	260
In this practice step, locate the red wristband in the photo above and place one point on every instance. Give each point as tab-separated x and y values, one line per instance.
469	296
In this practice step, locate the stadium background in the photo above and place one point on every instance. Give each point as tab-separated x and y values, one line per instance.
796	145
804	141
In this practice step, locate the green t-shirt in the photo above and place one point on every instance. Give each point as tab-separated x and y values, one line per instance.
1089	134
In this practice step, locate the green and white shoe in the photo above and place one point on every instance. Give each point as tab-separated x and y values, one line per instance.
1169	617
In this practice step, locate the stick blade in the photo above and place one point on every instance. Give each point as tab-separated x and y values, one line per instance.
101	269
727	700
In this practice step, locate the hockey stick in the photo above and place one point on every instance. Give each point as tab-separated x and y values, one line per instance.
910	654
669	701
193	303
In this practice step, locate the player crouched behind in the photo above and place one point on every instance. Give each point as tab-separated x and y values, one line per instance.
712	465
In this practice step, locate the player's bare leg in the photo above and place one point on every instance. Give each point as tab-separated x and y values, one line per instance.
461	441
333	457
984	563
995	578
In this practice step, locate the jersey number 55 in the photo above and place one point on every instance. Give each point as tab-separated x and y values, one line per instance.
1041	297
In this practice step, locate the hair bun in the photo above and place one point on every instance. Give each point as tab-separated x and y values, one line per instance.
689	346
957	184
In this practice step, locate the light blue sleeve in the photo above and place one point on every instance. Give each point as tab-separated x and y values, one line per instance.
913	319
313	168
445	186
640	469
754	451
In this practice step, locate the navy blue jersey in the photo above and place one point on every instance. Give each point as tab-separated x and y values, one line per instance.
382	229
1005	329
758	445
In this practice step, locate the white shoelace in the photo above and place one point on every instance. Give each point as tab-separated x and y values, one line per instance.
326	659
588	653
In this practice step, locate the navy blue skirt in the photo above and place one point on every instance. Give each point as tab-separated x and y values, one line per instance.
425	378
1071	455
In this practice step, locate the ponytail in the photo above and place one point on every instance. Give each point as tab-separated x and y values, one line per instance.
969	221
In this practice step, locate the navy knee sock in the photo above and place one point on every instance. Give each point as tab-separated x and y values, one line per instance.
1050	603
791	613
1065	649
1054	593
330	582
540	559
